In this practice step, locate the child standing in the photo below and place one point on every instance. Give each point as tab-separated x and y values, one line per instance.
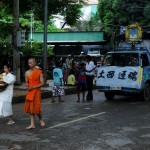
71	78
81	82
57	77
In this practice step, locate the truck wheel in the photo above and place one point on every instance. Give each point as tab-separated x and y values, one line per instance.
147	92
109	95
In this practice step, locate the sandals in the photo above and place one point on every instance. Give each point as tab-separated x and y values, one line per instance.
42	124
10	123
30	127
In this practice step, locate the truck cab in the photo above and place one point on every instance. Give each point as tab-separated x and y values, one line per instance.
125	72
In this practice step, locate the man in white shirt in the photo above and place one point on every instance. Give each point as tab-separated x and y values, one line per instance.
89	77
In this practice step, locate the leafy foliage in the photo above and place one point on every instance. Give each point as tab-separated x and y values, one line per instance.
114	13
68	8
34	48
72	13
38	26
5	21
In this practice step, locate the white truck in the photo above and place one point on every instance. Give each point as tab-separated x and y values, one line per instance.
126	71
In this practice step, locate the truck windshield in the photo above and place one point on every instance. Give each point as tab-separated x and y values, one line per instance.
121	59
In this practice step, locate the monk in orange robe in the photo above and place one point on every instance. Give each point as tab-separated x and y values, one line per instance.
34	81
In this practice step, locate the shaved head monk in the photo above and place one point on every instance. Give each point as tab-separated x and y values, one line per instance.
34	81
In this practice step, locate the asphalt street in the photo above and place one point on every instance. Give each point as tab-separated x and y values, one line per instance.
121	124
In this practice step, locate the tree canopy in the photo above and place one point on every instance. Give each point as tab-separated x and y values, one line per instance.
68	8
115	13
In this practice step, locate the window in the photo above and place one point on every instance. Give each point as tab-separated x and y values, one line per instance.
121	59
108	60
144	59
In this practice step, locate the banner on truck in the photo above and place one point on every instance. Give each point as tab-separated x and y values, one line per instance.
117	77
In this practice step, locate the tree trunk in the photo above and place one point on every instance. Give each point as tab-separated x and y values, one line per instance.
45	39
16	53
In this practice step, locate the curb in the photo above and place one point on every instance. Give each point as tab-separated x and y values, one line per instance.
46	94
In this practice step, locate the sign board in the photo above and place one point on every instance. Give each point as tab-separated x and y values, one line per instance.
133	33
20	38
118	77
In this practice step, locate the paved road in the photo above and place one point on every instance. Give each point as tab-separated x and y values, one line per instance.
122	124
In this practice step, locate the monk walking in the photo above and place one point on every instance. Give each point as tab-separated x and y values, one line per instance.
34	81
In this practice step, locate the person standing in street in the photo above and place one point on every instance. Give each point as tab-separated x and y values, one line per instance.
57	88
7	79
34	81
89	77
81	82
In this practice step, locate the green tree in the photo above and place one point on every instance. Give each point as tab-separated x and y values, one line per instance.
5	21
69	9
25	23
36	50
114	13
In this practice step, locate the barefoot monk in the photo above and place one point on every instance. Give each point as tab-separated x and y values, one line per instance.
34	81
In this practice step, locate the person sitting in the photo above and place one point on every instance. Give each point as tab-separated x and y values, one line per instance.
133	62
71	78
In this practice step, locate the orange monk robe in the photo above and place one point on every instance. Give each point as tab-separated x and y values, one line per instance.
33	97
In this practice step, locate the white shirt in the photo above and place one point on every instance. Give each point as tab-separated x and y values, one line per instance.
7	95
89	66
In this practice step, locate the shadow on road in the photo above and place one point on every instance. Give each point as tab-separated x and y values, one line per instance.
127	99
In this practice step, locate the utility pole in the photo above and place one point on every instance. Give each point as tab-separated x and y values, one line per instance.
16	53
32	27
45	39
